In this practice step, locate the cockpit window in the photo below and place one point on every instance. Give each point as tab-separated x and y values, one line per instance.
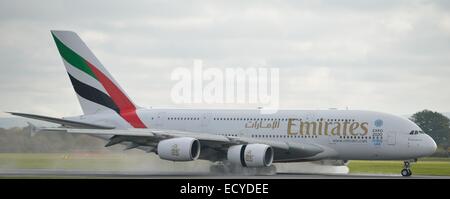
415	132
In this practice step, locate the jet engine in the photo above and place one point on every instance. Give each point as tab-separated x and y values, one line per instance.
179	149
251	155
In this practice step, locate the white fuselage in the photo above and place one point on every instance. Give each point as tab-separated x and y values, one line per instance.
344	134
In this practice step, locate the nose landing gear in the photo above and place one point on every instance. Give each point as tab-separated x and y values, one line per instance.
406	171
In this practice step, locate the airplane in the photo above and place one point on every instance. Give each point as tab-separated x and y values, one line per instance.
239	137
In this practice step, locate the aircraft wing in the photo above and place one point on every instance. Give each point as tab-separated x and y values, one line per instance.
215	145
67	123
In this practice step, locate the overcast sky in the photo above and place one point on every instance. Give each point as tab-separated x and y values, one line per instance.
391	56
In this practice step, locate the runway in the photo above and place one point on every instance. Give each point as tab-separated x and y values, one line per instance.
56	173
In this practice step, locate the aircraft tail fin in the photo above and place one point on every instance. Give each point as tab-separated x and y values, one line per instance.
95	87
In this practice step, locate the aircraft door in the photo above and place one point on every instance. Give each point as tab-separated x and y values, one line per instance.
160	117
392	138
205	121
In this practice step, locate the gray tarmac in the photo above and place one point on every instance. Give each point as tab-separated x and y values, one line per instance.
56	173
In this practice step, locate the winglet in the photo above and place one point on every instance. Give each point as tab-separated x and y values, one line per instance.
33	129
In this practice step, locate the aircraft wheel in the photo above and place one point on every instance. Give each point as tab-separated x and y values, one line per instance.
406	172
406	169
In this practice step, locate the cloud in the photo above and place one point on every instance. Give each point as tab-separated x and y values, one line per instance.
388	56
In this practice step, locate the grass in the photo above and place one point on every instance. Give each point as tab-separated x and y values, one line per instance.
426	166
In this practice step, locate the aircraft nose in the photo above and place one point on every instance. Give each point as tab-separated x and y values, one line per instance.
430	145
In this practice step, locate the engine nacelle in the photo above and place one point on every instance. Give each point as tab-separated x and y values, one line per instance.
251	155
179	149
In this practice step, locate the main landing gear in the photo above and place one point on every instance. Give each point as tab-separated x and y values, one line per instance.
406	171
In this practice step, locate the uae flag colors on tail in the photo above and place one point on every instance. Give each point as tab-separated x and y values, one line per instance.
95	87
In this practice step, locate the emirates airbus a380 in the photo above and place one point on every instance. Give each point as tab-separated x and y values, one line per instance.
241	137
